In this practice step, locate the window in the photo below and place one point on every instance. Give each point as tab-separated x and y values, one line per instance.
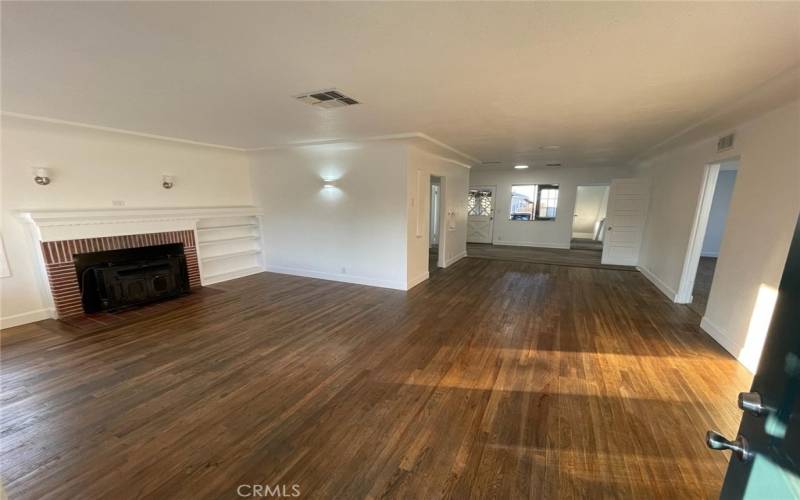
548	199
533	202
479	202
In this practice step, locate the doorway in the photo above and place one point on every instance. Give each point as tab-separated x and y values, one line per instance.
589	217
707	235
435	225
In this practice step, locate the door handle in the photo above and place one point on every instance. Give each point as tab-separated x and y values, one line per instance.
610	228
751	402
740	448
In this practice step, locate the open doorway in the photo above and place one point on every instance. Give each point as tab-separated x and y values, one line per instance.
589	217
435	224
709	230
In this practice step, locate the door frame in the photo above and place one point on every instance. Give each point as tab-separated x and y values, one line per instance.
699	226
440	260
575	204
494	209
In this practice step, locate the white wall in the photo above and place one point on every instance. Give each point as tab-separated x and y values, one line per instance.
590	207
723	192
90	168
761	220
453	232
355	232
553	234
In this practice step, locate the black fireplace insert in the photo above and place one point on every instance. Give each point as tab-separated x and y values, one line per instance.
116	279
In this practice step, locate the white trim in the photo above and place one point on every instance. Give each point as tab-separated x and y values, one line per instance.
725	341
377	138
69	217
416	281
344	278
455	258
388	137
55	225
563	246
698	234
120	131
658	282
26	317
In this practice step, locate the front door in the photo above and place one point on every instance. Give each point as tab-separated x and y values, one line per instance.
765	462
480	214
625	217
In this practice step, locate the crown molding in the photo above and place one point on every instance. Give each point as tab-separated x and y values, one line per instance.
299	144
118	131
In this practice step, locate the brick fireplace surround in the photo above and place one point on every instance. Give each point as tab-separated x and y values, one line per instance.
61	271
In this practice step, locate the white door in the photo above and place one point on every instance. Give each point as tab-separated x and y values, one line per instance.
480	214
626	214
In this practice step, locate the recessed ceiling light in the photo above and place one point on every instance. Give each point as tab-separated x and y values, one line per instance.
520	167
550	148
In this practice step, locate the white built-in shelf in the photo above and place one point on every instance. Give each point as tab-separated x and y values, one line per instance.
233	274
229	226
228	247
230	255
227	240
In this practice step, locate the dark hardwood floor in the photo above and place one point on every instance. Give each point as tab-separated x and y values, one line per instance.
577	257
493	379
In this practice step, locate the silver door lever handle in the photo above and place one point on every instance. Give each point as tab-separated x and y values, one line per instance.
739	447
751	401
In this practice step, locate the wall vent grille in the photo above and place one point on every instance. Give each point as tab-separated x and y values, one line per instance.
552	164
331	98
725	143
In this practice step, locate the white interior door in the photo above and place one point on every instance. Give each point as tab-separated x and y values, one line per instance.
628	200
480	214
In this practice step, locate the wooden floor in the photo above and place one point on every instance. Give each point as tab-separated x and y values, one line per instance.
702	284
493	379
577	257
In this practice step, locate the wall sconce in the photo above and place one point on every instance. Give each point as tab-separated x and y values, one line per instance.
41	176
167	181
329	184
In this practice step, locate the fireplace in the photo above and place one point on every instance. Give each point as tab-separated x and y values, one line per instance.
115	279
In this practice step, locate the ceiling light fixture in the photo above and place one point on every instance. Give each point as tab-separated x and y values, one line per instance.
520	167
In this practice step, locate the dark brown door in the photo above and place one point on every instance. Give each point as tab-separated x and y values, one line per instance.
765	461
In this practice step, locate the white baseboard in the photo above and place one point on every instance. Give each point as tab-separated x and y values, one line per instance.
662	287
531	244
25	318
344	278
725	341
455	258
709	254
416	281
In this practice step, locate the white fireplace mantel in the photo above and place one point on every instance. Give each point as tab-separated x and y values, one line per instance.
56	225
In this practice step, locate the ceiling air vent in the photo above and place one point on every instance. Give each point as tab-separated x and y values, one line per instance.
552	164
327	99
725	142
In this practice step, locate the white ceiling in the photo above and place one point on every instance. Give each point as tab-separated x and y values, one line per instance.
605	81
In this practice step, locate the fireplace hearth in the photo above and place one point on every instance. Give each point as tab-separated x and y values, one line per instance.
115	279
